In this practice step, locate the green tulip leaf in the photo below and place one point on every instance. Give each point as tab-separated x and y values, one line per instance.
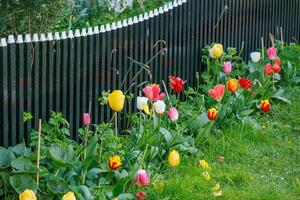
21	182
281	95
126	196
91	147
85	192
118	188
167	135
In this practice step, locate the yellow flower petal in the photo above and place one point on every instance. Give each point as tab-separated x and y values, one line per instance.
146	109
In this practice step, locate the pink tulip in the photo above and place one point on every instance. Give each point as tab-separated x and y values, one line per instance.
272	53
86	119
227	67
173	114
142	178
153	92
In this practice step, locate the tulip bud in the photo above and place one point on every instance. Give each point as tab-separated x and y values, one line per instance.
86	119
204	164
221	159
255	57
141	102
212	114
272	53
173	114
278	62
69	196
142	178
174	158
265	105
233	85
115	162
160	107
116	100
141	196
27	195
227	67
216	51
269	69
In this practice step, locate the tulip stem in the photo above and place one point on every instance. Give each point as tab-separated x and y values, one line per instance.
85	142
116	124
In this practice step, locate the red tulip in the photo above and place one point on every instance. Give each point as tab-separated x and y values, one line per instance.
276	68
265	105
141	196
218	92
176	84
245	83
269	69
86	119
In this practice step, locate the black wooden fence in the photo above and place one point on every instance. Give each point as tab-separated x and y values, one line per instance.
65	71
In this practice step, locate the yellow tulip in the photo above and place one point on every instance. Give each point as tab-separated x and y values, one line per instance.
69	196
27	195
204	164
116	100
206	176
217	186
216	51
174	158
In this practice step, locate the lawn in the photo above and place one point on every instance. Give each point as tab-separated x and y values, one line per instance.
261	163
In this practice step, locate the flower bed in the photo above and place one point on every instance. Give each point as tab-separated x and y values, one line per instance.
121	164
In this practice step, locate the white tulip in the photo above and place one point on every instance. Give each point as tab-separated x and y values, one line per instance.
160	107
255	57
141	102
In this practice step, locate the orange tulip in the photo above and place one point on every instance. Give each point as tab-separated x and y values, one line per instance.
233	85
212	114
265	105
115	162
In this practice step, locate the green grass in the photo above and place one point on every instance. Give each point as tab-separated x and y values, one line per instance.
259	163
